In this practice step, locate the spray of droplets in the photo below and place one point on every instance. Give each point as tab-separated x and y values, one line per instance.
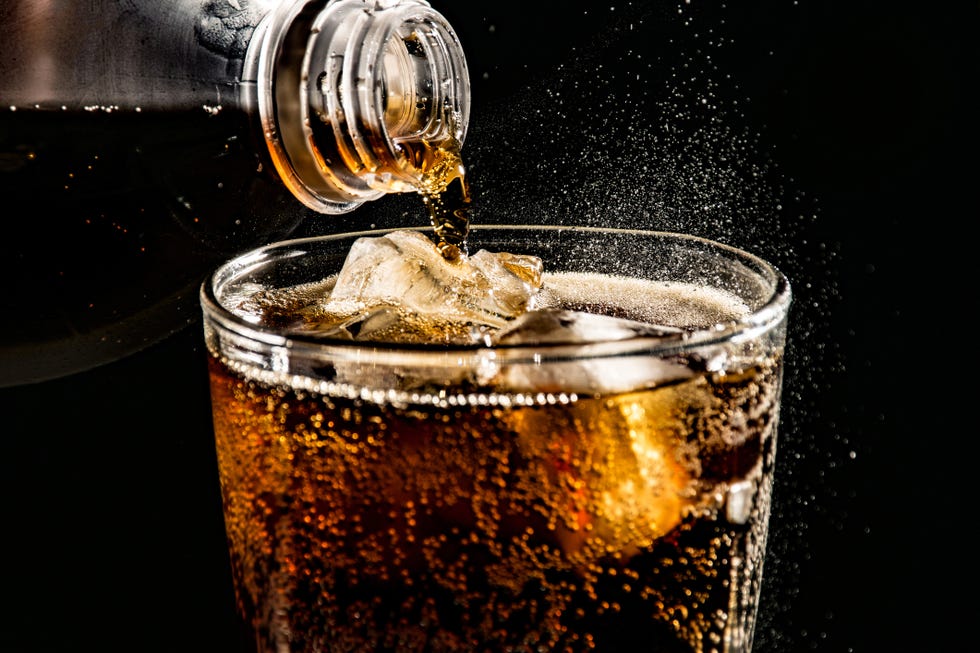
646	126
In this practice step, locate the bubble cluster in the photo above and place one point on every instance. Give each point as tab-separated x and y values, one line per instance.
594	523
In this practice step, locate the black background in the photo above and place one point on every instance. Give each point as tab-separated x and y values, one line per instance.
862	117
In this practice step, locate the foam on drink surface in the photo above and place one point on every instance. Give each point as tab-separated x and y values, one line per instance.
401	288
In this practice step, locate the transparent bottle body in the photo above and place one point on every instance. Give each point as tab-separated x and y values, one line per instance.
142	143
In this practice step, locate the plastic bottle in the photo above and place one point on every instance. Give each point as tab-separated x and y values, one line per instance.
143	142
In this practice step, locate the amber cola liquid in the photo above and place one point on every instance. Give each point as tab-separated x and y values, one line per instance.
480	518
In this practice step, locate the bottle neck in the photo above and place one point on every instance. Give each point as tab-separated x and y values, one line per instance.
357	98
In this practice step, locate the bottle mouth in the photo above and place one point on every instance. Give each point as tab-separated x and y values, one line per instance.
350	92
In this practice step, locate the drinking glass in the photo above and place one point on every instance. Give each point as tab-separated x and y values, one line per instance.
582	484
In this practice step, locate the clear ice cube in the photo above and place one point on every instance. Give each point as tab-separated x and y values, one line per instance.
740	501
560	326
595	374
399	287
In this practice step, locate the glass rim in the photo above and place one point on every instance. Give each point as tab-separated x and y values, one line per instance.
760	320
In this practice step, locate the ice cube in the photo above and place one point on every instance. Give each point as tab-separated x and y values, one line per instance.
559	326
740	501
400	284
594	374
617	472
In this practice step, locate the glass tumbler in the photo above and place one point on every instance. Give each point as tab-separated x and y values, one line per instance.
580	485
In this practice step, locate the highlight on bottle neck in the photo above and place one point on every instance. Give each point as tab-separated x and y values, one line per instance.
358	98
